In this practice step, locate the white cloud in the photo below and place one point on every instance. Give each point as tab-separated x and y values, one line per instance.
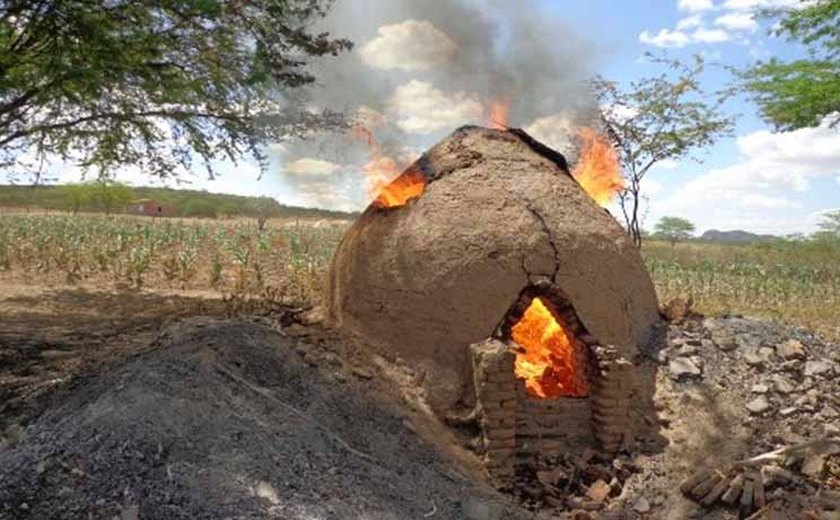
694	5
743	5
410	45
702	35
737	21
652	187
758	192
838	180
420	108
665	38
667	164
311	167
690	22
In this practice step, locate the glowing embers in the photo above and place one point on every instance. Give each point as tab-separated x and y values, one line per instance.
409	185
547	360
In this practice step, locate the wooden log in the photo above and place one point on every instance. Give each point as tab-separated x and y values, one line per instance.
692	481
758	491
716	491
702	489
746	505
734	489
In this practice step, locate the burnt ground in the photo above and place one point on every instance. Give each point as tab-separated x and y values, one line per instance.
116	407
232	419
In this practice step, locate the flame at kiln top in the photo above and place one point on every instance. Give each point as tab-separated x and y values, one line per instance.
407	186
598	171
547	362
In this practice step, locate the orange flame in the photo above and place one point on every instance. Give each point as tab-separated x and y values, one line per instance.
407	186
548	363
382	175
499	110
598	170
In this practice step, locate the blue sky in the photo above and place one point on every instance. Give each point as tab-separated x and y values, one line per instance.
757	180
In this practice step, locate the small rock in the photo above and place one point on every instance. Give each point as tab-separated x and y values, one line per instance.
725	342
686	350
707	344
758	405
24	507
766	353
747	341
790	349
753	359
819	368
783	385
642	505
598	491
787	412
813	465
683	368
760	388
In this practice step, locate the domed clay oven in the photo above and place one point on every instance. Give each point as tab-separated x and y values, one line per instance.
507	288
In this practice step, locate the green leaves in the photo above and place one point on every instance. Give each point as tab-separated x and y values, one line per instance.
152	84
657	118
800	93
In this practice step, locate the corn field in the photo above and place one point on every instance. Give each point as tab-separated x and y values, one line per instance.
798	282
233	257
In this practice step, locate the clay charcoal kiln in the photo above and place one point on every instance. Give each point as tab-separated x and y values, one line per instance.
491	271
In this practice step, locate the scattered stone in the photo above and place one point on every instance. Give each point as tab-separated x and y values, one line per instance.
753	359
747	341
760	388
783	385
642	505
829	499
725	341
790	349
707	344
683	368
686	350
787	412
819	368
766	353
677	309
599	491
813	465
758	405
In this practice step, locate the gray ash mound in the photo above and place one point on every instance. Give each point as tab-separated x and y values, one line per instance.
228	420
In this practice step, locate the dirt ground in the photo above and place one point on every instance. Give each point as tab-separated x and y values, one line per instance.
128	405
232	419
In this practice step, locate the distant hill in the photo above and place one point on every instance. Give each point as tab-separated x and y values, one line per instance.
187	203
736	236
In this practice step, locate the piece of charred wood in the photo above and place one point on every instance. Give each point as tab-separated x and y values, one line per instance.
746	504
695	479
716	491
734	490
702	489
758	491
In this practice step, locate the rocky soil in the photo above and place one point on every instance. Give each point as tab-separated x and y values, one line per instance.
728	388
261	419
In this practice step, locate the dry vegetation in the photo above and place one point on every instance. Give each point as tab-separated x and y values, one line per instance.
791	281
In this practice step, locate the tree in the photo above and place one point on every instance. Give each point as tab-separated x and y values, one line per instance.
829	227
802	92
109	195
657	118
674	229
76	196
154	84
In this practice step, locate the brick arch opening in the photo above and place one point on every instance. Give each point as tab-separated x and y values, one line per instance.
577	398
